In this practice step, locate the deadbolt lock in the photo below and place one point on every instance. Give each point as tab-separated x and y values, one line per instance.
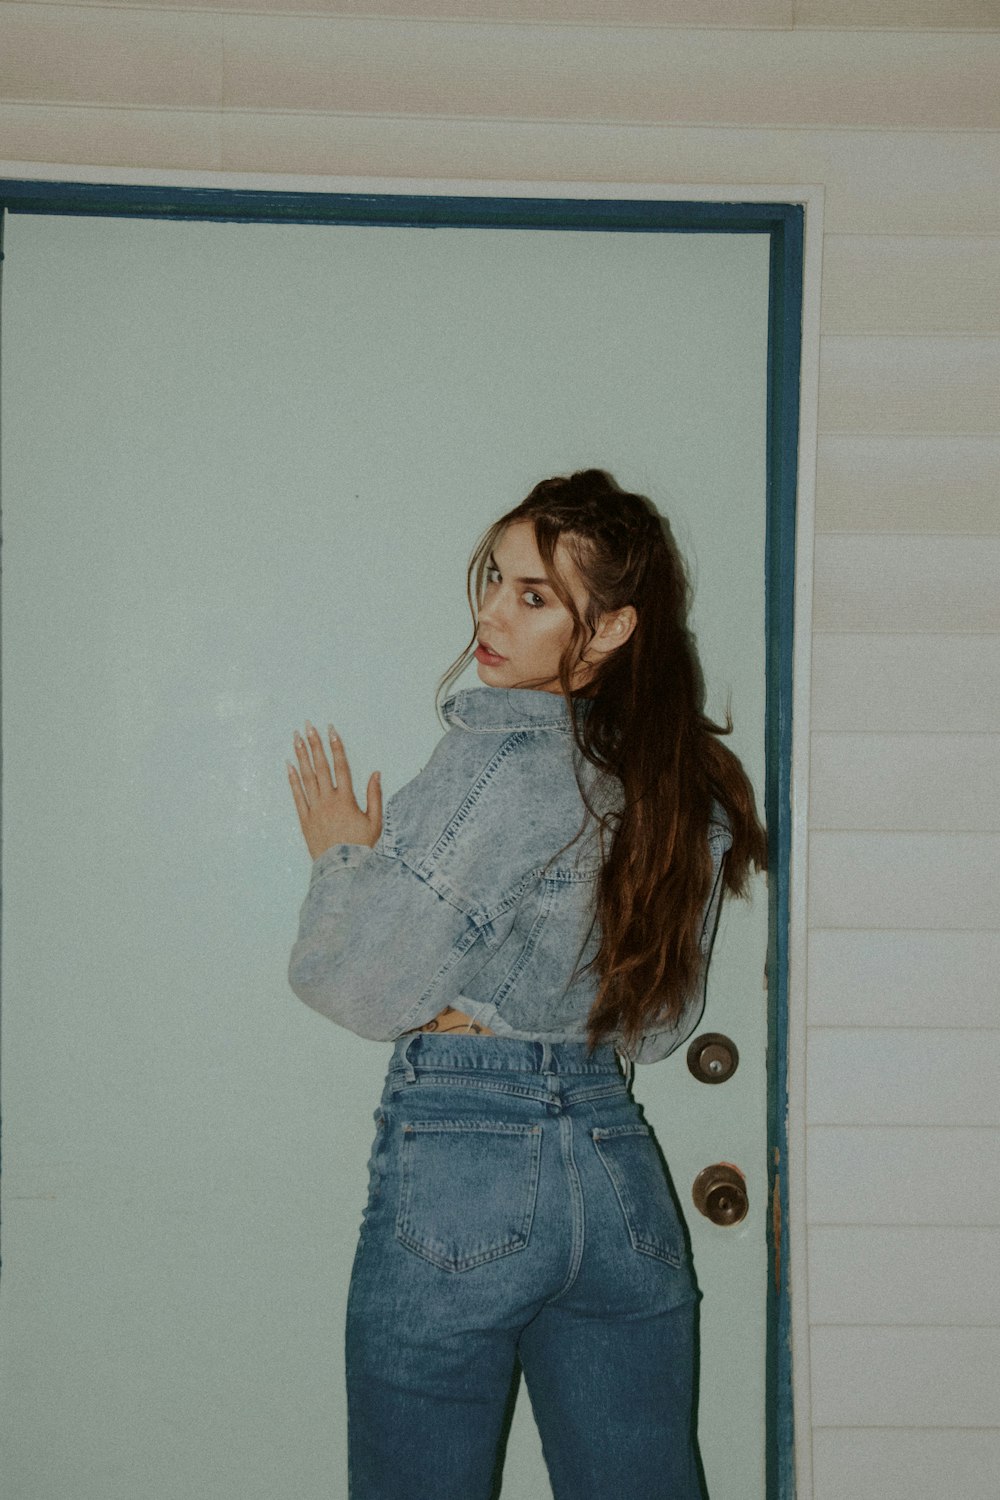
712	1058
720	1193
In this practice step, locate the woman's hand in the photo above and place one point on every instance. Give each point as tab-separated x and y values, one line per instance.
327	807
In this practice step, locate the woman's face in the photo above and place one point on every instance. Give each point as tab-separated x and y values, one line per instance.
523	626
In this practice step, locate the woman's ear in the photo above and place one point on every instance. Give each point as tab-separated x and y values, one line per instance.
613	631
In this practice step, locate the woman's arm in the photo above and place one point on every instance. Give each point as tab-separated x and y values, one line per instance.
380	949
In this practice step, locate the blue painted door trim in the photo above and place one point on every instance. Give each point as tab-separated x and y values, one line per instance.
785	224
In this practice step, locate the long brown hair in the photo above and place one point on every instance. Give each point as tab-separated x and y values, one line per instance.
646	727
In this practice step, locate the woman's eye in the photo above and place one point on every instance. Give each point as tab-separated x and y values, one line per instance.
534	600
492	575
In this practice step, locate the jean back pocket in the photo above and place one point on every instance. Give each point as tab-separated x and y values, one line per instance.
632	1162
467	1190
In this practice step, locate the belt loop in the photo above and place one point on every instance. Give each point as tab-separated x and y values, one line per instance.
408	1069
628	1068
547	1058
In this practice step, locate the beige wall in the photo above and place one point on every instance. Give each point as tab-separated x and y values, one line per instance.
891	106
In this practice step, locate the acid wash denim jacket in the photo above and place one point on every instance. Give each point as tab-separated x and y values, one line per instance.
465	900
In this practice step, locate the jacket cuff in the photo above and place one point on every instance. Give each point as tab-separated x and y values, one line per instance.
339	857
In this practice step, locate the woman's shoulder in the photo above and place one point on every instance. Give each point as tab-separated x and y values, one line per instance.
502	775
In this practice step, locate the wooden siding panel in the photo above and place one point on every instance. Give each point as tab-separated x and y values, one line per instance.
148	138
884	1075
905	1377
904	880
904	1464
875	1174
905	682
911	284
888	1274
898	15
922	583
903	978
110	56
628	74
930	484
909	384
905	781
893	978
735	15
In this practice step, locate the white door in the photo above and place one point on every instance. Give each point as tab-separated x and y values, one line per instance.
243	469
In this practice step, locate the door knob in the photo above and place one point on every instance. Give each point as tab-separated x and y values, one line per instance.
720	1193
712	1058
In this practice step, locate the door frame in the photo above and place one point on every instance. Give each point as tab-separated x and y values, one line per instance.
792	218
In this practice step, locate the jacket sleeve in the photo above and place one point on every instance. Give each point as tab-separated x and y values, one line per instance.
656	1045
379	949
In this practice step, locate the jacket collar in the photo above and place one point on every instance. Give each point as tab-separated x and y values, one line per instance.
491	708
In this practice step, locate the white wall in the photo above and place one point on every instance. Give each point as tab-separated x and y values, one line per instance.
892	106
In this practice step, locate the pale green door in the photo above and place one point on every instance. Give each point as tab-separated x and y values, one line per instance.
243	468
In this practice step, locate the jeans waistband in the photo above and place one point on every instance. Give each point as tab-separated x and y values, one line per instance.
459	1052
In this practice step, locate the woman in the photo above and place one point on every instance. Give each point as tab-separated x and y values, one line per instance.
537	903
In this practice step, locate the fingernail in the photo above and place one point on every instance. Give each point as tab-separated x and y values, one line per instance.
309	728
332	732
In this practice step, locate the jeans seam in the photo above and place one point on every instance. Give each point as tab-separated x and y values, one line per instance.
576	1205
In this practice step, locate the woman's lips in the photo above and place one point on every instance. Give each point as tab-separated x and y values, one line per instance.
484	654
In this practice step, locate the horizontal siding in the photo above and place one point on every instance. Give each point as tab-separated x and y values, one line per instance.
884	1174
110	56
905	781
906	1376
893	978
165	139
394	66
888	1274
876	583
905	1464
859	14
883	1075
910	1377
904	880
678	77
877	683
895	15
909	384
717	13
908	483
908	284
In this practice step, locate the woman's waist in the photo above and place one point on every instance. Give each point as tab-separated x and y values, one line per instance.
420	1053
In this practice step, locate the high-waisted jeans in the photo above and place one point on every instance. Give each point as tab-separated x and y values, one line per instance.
518	1211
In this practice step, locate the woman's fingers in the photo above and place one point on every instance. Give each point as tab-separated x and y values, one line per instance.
325	802
341	769
298	795
306	771
373	806
320	765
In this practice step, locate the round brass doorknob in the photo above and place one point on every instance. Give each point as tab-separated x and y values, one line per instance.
720	1193
712	1058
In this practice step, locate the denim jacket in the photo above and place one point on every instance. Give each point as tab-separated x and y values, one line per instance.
469	899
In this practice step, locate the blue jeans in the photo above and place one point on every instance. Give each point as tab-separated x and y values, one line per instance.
519	1212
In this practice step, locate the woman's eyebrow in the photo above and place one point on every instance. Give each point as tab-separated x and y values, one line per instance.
545	581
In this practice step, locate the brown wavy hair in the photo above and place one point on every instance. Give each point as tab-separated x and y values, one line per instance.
647	728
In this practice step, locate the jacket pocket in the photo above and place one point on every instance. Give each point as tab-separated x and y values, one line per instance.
633	1164
467	1190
